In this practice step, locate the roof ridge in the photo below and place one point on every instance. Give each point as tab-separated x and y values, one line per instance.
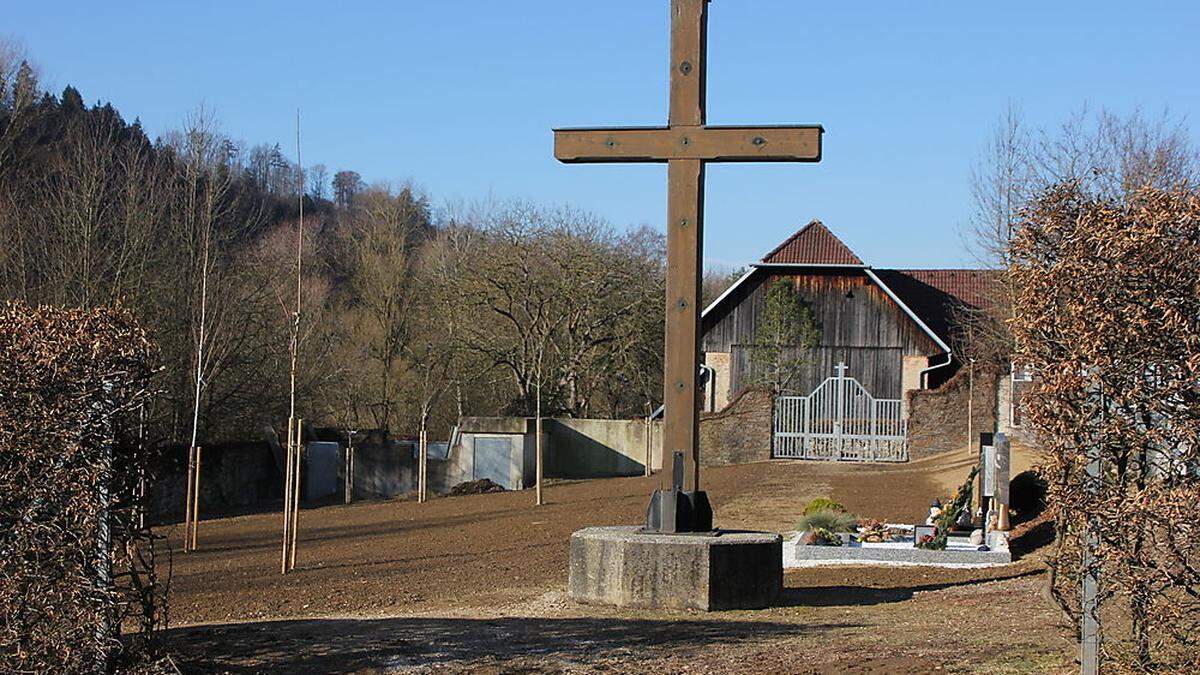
941	269
791	238
825	247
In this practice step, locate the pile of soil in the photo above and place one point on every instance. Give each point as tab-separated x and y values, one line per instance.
482	486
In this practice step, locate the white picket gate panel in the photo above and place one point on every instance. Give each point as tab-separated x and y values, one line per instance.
840	421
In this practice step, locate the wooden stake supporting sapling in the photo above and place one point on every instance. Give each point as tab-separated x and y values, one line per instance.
187	500
196	503
349	488
422	463
291	495
296	496
649	444
287	495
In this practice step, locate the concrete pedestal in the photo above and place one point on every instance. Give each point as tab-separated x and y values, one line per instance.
623	567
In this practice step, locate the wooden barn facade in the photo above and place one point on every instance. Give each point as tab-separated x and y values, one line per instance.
891	328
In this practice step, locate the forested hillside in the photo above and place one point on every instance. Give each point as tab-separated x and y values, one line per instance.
409	310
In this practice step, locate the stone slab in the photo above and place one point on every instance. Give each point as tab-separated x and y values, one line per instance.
800	555
621	566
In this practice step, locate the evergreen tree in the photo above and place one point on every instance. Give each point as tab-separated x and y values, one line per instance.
786	330
72	101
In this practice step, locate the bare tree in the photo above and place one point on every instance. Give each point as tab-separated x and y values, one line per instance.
318	182
207	186
1107	155
555	293
379	240
430	349
346	185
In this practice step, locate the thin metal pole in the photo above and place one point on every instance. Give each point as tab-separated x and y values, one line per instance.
103	581
1089	629
196	503
141	489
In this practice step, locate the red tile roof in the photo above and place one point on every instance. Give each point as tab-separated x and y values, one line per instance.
931	294
813	244
971	286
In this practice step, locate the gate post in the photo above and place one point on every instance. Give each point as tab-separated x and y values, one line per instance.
874	430
839	409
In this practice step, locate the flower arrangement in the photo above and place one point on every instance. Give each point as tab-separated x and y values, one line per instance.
822	537
872	531
949	515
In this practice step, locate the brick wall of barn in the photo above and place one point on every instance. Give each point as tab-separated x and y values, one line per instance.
741	432
937	418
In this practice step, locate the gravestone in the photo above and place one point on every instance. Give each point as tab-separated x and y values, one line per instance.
1001	479
994	461
680	508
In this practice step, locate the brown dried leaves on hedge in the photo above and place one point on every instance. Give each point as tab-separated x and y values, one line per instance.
70	380
1107	312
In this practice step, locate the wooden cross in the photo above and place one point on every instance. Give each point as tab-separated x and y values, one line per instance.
686	144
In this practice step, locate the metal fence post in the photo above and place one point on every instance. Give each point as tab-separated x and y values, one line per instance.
1089	629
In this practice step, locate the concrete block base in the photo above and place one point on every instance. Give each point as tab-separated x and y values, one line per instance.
623	567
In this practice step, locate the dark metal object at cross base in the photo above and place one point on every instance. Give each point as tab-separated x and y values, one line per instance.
672	511
686	144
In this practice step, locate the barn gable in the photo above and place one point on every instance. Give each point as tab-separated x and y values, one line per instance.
889	326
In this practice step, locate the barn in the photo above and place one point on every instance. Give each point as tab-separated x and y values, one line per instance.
882	334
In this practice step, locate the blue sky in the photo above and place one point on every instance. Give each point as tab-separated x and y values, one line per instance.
460	96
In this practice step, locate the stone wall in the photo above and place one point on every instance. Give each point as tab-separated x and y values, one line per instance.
572	447
382	470
233	477
937	418
599	448
741	432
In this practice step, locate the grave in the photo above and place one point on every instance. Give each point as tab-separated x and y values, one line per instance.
967	543
678	559
959	553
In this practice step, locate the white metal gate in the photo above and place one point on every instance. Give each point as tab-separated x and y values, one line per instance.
840	420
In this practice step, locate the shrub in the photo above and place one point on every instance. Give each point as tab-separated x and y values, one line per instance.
1106	311
828	520
76	563
822	537
823	504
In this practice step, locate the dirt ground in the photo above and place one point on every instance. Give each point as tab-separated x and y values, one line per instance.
477	583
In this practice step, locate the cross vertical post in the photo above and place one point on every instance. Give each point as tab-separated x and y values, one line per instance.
686	144
685	244
681	361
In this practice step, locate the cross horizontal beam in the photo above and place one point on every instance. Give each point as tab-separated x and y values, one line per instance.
707	143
